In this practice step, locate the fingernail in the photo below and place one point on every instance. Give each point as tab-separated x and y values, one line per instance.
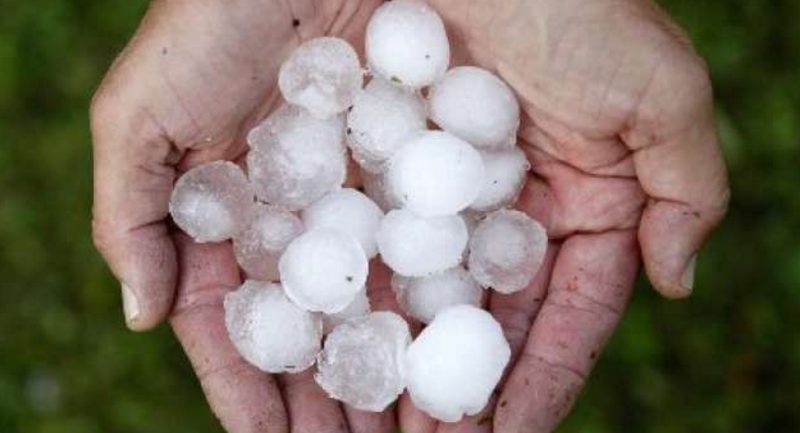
687	281
130	305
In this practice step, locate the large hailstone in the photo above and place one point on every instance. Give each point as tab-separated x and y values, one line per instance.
295	158
423	297
362	359
322	75
323	270
406	43
269	331
359	307
416	246
506	172
259	246
349	211
383	117
506	250
436	174
212	202
477	106
455	363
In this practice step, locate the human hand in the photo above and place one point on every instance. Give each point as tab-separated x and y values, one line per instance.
618	125
196	77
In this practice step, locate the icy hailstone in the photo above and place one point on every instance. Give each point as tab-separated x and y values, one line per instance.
323	270
506	250
423	297
361	362
436	174
506	172
455	363
259	246
295	158
322	75
269	331
475	105
417	246
383	117
406	43
349	211
375	187
212	202
358	308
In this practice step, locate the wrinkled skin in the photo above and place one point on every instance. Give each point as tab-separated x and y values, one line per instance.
617	122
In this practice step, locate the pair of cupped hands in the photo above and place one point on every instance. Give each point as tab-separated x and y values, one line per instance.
617	120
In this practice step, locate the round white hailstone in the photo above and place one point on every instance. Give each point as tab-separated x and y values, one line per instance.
358	308
269	331
406	43
506	250
436	174
361	362
423	297
506	172
416	246
322	75
349	211
455	363
375	188
383	117
295	158
477	106
212	202
323	270
259	246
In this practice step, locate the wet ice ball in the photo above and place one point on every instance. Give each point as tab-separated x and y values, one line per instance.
506	172
349	211
406	43
212	202
423	297
259	246
436	174
269	331
506	250
361	362
477	106
323	270
322	75
455	363
415	246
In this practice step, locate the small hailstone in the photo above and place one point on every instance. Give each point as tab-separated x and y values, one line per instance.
436	174
506	250
269	331
259	246
505	176
358	308
416	246
455	363
323	270
375	187
322	75
295	158
212	202
406	43
349	211
423	297
383	117
361	362
477	106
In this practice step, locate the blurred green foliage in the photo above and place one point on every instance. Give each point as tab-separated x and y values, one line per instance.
726	361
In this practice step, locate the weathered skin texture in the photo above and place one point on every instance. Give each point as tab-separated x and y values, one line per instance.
617	122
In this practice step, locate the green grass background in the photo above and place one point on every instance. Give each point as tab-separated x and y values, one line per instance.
726	361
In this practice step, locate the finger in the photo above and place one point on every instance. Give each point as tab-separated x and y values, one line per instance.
680	166
591	282
371	422
478	423
244	399
413	420
310	409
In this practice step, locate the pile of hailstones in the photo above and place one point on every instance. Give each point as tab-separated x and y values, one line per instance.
304	241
